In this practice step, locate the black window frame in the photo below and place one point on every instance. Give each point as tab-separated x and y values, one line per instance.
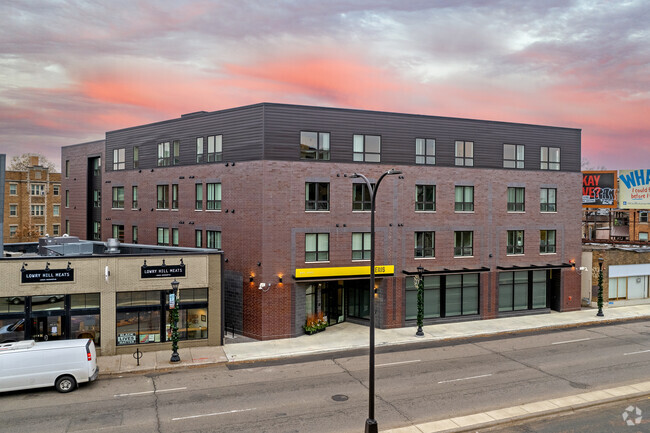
317	196
516	203
116	203
365	155
515	162
162	197
364	252
424	249
464	158
364	204
460	249
318	255
422	195
547	206
512	244
422	151
545	246
322	150
463	206
545	162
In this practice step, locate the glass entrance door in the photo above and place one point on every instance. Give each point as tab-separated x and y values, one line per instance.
332	302
47	328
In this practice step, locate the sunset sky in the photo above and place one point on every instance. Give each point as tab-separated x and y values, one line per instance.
72	70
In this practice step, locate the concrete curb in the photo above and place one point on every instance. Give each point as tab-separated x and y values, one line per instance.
529	411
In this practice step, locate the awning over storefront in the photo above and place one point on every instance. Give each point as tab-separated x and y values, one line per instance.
534	267
342	272
447	271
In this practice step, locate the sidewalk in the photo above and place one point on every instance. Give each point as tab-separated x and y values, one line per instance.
346	336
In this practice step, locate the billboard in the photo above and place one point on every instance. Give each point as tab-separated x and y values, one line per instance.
634	189
599	189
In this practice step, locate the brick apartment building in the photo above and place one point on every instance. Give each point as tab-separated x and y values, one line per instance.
490	210
32	205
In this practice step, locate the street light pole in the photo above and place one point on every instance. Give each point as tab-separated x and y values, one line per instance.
371	422
174	319
419	332
600	287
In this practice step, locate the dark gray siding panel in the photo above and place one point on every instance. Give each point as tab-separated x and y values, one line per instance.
241	129
283	124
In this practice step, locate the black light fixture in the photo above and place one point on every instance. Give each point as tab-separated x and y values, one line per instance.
251	279
174	319
371	422
47	266
279	278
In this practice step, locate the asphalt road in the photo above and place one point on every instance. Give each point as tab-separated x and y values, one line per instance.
330	394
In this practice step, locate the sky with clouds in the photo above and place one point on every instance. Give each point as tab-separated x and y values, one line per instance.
72	70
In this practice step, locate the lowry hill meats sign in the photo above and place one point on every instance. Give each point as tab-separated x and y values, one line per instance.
162	271
599	189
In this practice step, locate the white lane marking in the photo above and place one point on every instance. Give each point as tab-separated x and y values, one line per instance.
465	378
397	363
571	341
212	414
636	353
150	392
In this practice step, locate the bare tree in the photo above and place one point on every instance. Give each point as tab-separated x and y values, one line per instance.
585	165
23	162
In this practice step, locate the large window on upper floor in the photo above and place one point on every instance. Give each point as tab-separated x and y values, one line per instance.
119	159
315	145
513	156
213	196
548	200
464	153
463	243
361	246
175	196
198	196
215	148
136	157
425	151
516	199
317	196
118	197
425	198
549	158
199	149
97	230
464	199
367	148
134	197
515	242
425	245
37	189
162	197
213	239
360	197
317	247
547	241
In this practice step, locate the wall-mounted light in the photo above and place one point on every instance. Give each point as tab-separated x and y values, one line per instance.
23	268
251	279
279	278
47	266
68	268
259	263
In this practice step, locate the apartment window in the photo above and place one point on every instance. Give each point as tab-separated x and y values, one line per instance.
134	234
315	145
213	196
97	229
317	247
67	198
317	196
550	158
13	210
97	165
175	237
56	189
464	199
198	238
56	210
198	196
360	246
515	242
176	148
67	168
118	232
213	239
214	148
425	197
37	210
513	156
136	157
163	236
424	245
41	229
547	241
643	236
175	196
163	154
199	150
548	200
134	197
37	189
163	197
516	197
67	226
367	148
12	231
463	244
361	196
119	160
643	217
425	151
97	200
465	153
118	197
56	230
13	189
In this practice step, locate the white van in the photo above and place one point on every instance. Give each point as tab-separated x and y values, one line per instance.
63	364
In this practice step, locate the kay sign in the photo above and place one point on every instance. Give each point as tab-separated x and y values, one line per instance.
599	189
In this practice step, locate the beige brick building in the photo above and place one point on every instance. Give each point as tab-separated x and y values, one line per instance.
32	205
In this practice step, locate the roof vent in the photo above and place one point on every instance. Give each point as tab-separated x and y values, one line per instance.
112	246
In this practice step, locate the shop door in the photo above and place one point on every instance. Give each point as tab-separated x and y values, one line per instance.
555	289
332	304
47	328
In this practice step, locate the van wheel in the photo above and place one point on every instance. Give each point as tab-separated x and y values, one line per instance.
65	384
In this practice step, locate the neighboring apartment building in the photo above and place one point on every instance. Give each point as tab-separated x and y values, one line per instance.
32	206
490	210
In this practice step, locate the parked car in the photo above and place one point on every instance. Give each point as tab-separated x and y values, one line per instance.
13	332
63	364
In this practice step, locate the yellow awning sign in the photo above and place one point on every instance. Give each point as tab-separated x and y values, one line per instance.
345	271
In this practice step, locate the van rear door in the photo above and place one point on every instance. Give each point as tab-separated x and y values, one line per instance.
91	355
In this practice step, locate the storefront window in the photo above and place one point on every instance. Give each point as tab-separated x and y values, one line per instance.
138	317
192	324
461	295
48	302
12	304
431	298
